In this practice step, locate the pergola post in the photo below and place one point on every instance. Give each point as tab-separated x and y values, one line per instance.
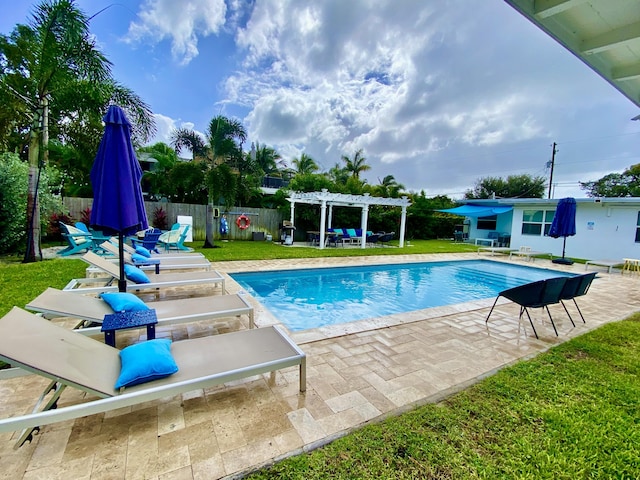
323	222
363	225
403	224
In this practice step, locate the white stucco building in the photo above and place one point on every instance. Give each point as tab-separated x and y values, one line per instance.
606	228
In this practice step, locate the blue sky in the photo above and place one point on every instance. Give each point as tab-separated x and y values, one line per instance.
437	94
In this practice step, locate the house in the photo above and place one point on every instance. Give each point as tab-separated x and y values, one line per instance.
605	227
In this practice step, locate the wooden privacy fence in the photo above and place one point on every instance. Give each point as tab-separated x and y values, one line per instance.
262	220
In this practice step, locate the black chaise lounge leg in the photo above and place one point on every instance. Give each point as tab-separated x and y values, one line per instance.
568	314
579	311
551	318
524	310
491	311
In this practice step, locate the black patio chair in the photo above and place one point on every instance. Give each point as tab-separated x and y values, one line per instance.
576	287
372	239
385	238
539	294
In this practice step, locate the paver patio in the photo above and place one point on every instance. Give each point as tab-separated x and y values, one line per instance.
356	373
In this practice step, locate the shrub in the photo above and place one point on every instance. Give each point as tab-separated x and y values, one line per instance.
14	179
160	219
85	216
54	232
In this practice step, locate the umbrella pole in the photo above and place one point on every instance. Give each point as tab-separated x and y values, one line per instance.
563	261
122	282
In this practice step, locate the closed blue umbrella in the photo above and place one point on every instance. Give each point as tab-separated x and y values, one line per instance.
118	205
564	224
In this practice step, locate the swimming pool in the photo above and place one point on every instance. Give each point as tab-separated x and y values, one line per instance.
312	298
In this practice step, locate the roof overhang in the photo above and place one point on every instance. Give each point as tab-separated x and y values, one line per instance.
551	202
477	210
604	34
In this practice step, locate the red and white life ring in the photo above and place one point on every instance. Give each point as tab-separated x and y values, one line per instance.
243	222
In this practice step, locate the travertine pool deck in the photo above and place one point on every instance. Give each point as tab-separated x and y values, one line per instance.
356	373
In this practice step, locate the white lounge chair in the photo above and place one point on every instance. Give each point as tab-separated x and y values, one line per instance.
58	303
36	345
161	255
609	264
528	254
173	263
161	280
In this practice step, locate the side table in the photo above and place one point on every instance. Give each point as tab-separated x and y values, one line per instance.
149	261
123	320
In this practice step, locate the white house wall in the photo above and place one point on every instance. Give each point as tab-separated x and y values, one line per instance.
602	232
503	225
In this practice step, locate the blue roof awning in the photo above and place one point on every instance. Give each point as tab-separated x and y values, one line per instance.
476	210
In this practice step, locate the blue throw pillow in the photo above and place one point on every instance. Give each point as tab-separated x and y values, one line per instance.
136	257
124	302
143	251
135	274
146	361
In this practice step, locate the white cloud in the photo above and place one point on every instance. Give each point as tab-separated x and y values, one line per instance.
165	127
182	22
435	94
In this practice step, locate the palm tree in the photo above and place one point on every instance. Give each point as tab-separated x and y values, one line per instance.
222	146
267	158
389	187
339	174
305	164
53	65
356	165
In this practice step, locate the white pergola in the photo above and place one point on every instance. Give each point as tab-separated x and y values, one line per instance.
328	200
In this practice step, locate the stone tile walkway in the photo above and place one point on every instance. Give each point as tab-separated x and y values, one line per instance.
356	374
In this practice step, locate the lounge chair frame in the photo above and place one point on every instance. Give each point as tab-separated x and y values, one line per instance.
54	303
181	263
110	283
38	346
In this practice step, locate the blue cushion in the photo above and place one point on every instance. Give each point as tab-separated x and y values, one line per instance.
146	361
143	251
135	274
136	257
123	302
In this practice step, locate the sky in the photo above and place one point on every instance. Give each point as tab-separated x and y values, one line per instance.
438	93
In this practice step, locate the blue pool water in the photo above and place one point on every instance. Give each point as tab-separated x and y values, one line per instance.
311	298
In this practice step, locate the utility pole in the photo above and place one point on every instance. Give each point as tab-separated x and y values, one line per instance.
551	164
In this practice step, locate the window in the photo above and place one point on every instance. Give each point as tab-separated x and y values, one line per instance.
638	229
487	223
535	222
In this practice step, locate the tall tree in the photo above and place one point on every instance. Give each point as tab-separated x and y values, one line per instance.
305	165
388	187
163	159
625	184
267	158
51	66
339	175
223	145
357	164
514	186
